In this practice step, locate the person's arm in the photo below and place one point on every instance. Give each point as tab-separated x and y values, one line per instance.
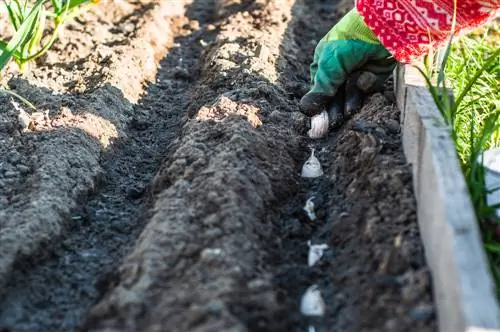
349	47
376	34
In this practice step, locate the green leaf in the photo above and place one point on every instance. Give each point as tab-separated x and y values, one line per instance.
3	46
14	17
38	33
21	36
57	4
492	247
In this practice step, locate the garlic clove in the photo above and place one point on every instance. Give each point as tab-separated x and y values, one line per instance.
309	209
319	125
312	303
315	253
312	167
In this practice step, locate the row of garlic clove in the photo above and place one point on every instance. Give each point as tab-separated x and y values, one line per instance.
312	303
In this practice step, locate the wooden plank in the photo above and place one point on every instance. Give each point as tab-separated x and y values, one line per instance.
463	286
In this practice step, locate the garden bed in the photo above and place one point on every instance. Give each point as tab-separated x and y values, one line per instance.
463	286
169	197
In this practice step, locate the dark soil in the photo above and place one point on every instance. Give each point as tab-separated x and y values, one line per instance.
169	198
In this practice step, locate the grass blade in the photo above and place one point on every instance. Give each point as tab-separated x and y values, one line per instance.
489	62
57	4
13	16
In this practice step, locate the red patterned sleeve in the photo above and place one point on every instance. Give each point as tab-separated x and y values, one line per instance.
410	28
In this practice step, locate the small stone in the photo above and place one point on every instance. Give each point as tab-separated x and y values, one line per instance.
416	283
38	117
422	312
388	281
66	112
10	181
11	174
14	157
104	52
135	192
23	169
364	126
258	284
277	116
129	27
215	307
24	120
194	316
380	132
209	254
3	200
213	233
194	25
139	123
391	325
300	122
390	96
393	126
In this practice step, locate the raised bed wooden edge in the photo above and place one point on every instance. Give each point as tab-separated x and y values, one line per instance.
463	287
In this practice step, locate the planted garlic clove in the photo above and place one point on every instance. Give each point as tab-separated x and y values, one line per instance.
312	303
312	167
319	125
309	209
315	253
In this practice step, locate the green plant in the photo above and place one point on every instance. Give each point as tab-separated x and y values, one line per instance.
473	118
469	54
26	22
30	24
25	31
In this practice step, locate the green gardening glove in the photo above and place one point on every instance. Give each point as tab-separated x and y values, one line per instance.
350	50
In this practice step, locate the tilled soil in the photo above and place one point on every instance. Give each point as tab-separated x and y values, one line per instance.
169	198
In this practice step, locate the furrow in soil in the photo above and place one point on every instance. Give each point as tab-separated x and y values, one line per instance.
199	222
373	275
226	246
199	264
53	288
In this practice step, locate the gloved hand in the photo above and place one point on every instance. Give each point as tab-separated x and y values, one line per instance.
348	59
